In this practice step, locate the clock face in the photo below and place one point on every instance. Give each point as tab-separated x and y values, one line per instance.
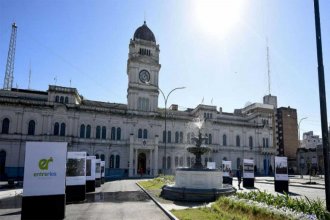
144	76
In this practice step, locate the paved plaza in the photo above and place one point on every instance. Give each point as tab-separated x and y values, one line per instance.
123	199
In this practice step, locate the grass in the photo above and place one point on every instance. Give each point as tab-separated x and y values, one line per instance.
157	183
228	209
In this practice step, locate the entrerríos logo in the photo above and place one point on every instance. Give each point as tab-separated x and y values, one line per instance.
43	163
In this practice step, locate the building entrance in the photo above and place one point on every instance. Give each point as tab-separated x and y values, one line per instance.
2	164
142	163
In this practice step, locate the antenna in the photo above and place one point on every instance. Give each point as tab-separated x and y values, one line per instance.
9	75
29	77
268	66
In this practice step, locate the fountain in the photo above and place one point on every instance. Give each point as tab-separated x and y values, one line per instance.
197	183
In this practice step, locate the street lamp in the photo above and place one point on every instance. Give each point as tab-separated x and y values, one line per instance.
301	165
165	101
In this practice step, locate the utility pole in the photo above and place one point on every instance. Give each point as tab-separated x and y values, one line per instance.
9	75
323	104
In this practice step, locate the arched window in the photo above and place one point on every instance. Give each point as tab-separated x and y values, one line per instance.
169	137
31	127
224	140
62	132
82	131
62	99
181	137
164	163
238	141
104	132
5	126
88	131
168	162
111	161
176	137
140	133
145	134
210	138
164	136
57	99
250	142
97	156
102	157
56	128
117	161
66	101
188	138
181	162
176	161
98	132
113	133
118	133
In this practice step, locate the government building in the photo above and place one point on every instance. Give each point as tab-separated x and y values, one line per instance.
131	137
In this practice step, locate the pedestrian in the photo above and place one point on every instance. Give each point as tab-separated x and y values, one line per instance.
239	176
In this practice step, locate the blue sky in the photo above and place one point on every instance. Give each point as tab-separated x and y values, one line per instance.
216	50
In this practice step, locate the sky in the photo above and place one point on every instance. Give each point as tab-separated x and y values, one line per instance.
216	49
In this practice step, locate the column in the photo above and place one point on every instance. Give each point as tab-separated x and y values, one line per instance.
151	165
156	157
131	153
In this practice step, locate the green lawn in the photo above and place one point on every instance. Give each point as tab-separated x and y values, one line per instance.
157	183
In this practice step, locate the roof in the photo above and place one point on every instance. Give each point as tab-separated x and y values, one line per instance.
144	33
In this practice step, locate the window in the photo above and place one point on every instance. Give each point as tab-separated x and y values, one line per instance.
102	157
97	156
181	137
250	142
238	141
66	100
164	163
176	137
140	133
188	138
62	132
181	162
176	160
263	142
57	99
207	139
267	142
104	132
118	133
62	99
168	162
145	134
224	140
210	138
82	131
31	127
111	161
143	104
88	131
5	126
98	132
117	161
169	137
188	161
56	128
113	133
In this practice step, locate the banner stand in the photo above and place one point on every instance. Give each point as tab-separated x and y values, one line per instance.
44	181
281	186
227	177
98	173
248	182
43	207
90	173
102	172
75	177
281	177
248	173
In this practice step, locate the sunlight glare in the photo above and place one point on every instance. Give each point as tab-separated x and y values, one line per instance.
217	17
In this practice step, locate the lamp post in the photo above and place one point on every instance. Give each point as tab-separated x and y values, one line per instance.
165	102
301	165
323	104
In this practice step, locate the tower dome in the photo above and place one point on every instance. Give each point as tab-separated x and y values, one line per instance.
144	33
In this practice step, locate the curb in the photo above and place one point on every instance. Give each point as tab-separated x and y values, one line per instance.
169	214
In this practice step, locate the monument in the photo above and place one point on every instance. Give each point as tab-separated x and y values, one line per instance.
197	183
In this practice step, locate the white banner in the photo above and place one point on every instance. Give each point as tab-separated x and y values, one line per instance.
44	168
90	167
226	167
102	168
98	168
76	168
248	168
281	168
211	165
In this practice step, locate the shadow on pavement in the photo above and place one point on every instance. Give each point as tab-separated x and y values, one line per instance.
11	203
117	197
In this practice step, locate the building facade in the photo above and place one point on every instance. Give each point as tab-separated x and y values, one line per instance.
131	137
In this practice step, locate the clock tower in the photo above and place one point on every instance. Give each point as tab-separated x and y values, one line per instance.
143	71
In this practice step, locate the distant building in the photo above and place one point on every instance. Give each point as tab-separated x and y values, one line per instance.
310	140
287	134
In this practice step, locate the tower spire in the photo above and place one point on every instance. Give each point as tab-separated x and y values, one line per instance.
9	75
